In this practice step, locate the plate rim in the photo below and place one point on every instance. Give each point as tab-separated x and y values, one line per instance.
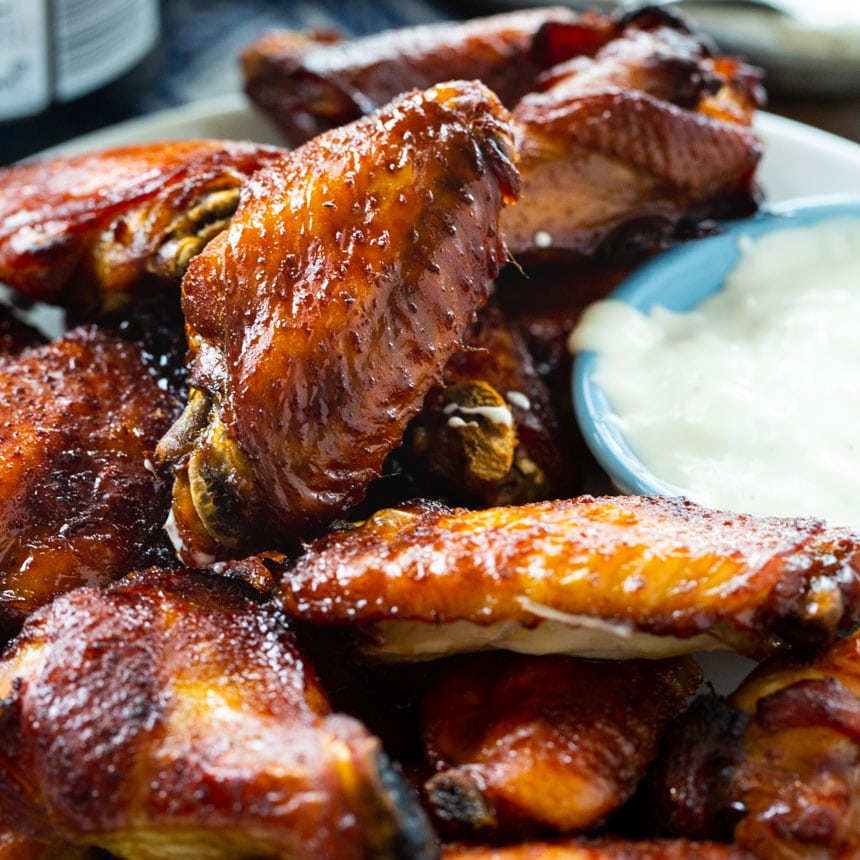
236	106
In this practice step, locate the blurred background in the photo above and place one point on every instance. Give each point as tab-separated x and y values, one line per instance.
68	67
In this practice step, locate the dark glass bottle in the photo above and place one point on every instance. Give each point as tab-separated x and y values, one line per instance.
71	66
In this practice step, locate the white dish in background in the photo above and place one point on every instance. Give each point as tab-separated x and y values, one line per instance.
798	160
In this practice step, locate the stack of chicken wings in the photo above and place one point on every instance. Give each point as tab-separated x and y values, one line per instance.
299	555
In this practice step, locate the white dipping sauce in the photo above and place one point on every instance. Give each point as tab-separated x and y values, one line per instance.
750	402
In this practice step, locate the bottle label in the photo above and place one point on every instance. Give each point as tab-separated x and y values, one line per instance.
68	49
96	42
25	77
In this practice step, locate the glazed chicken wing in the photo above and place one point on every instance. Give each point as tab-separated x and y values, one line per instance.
624	576
309	82
523	743
320	319
78	419
786	750
624	149
172	715
88	231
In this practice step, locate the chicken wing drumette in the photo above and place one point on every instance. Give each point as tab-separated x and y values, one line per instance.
524	744
78	419
320	319
89	231
624	576
172	714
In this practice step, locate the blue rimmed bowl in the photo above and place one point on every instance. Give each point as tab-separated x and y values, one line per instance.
679	279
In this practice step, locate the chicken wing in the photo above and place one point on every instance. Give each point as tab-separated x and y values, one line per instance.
523	743
88	231
630	128
489	434
787	747
78	418
624	576
172	714
623	150
601	849
309	82
320	319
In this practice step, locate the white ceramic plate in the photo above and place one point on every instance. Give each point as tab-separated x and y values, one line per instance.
798	161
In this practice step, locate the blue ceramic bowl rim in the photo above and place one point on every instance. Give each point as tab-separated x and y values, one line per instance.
679	279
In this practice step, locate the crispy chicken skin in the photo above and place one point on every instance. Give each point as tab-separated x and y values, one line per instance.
172	714
799	780
621	150
522	743
489	434
601	849
320	319
791	784
309	82
78	418
86	231
622	576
